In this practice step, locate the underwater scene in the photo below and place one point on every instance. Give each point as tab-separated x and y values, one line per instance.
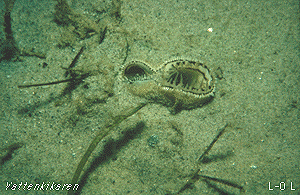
156	97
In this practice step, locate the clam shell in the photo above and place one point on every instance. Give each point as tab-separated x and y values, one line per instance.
137	71
188	82
188	76
179	84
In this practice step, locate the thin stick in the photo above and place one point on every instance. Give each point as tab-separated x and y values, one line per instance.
195	177
80	77
42	84
213	142
102	35
223	181
73	78
74	61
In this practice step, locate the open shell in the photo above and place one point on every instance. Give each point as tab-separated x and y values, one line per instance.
137	71
179	84
188	76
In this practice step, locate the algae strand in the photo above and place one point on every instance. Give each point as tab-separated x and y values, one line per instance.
103	133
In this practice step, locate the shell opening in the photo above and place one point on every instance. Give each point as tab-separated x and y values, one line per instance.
135	71
188	76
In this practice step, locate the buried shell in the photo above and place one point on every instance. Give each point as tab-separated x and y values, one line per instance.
139	75
137	71
179	84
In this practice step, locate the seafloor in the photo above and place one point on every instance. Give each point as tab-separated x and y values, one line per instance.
253	47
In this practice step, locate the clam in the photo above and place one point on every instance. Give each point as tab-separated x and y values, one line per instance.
137	71
187	76
179	84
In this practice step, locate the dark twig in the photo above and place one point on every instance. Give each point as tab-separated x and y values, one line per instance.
102	35
213	142
78	78
223	181
74	61
75	77
195	176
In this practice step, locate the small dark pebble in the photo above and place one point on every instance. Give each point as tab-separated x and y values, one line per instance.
152	140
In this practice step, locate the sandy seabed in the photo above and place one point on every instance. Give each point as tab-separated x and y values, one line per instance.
255	44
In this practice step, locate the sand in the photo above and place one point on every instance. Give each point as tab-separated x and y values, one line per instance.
255	44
